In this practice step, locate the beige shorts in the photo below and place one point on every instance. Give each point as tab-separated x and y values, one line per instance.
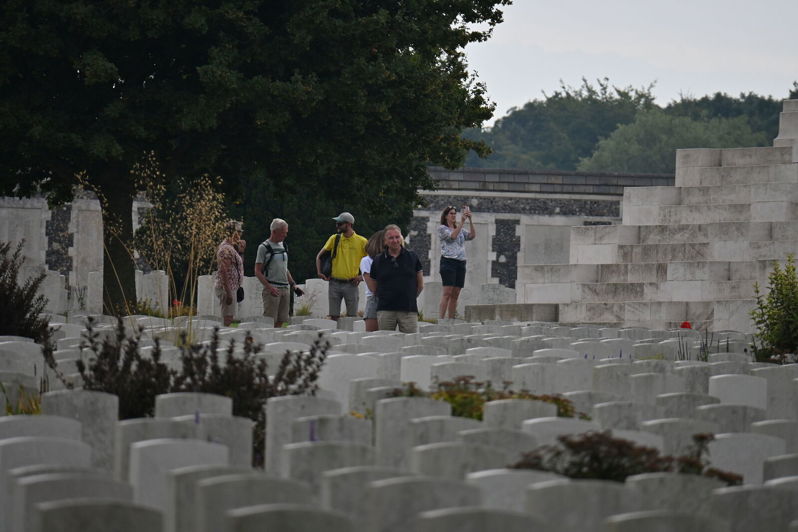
388	320
276	307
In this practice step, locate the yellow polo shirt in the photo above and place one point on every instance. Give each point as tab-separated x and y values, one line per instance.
347	259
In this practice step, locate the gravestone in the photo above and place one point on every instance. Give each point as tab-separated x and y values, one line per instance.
129	431
181	505
306	462
744	454
97	413
288	518
740	390
281	412
36	489
453	460
505	489
752	507
217	495
344	489
391	504
474	520
234	432
513	443
511	413
34	450
654	520
392	417
151	460
86	515
570	505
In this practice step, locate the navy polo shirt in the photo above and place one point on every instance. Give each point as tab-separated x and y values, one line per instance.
396	280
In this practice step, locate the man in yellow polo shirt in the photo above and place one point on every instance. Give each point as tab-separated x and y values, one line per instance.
345	278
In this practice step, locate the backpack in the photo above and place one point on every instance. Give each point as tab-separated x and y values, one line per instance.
272	252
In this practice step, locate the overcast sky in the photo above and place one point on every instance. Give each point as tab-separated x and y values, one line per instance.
694	47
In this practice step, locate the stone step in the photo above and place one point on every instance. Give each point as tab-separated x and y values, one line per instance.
604	234
641	253
712	232
557	273
737	157
651	314
632	273
696	176
788	128
686	214
693	290
755	156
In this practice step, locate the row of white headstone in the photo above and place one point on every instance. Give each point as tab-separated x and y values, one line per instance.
354	458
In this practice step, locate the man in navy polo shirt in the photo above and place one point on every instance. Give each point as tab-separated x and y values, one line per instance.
397	279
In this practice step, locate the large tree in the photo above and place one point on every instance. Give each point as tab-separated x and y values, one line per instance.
339	100
649	144
560	129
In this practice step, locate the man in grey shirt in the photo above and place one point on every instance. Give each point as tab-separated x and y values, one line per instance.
271	269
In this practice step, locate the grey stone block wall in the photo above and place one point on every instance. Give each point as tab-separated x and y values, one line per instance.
59	240
506	245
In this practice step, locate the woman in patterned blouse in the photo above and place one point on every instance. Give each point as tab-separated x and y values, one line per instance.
231	271
453	257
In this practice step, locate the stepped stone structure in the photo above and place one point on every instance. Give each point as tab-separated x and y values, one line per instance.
691	252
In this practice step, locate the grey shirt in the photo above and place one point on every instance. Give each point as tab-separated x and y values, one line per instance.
277	272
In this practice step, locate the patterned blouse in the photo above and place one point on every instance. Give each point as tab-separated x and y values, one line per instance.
453	248
231	268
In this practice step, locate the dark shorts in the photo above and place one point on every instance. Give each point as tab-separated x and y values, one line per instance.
453	272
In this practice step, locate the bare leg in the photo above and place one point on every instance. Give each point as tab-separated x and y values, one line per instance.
455	294
446	293
371	324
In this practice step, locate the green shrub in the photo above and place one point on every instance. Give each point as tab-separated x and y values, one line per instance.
468	397
245	380
776	315
20	306
116	366
597	455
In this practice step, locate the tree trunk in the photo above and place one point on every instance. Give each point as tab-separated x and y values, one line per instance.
119	281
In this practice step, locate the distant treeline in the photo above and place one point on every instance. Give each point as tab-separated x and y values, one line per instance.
602	128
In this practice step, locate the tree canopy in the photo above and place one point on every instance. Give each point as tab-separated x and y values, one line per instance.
316	105
559	130
567	129
648	145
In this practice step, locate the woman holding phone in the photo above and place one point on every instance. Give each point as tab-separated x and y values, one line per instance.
453	258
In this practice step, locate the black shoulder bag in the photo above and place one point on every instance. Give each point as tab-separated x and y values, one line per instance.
325	261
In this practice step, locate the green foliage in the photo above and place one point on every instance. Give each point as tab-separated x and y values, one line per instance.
761	113
649	143
597	455
324	105
468	397
776	314
561	129
117	366
21	305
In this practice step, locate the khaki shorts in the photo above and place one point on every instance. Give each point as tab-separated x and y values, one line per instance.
387	320
276	307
